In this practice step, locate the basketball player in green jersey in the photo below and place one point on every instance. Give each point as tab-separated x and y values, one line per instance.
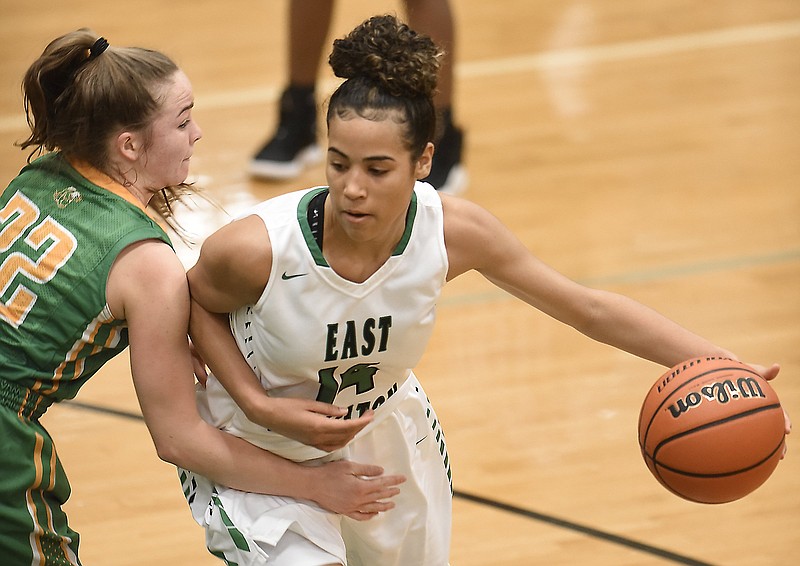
85	271
330	294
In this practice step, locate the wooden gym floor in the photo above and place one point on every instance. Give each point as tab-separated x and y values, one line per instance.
650	148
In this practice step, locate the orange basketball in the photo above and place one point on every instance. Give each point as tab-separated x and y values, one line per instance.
711	430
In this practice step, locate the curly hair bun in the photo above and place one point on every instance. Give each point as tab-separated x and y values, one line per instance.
387	52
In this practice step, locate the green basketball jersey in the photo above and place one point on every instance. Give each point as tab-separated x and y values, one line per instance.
59	236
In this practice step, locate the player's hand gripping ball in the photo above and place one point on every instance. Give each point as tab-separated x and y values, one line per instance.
711	430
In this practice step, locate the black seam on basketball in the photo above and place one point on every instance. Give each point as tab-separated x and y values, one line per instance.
719	475
712	424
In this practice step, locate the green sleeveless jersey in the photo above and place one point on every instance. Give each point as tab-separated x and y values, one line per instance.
59	236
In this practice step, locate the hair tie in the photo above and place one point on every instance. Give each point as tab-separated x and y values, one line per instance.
98	47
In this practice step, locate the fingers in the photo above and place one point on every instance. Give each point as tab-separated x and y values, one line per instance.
378	492
334	411
335	434
373	473
359	516
326	409
365	471
356	425
382	499
383	487
375	485
367	512
772	372
769	373
200	372
377	498
385	483
363	492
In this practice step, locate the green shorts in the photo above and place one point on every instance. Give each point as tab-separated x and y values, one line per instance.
33	486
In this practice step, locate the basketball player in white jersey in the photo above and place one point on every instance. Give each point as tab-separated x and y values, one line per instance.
329	294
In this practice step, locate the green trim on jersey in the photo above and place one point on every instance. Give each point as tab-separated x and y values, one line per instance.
411	214
302	218
313	247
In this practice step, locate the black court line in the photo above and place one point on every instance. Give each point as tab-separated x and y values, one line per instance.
104	410
583	529
513	509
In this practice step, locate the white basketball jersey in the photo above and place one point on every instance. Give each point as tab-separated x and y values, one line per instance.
313	334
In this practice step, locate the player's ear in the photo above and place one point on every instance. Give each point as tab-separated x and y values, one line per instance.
128	145
423	164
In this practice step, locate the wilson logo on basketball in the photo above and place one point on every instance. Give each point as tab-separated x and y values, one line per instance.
719	392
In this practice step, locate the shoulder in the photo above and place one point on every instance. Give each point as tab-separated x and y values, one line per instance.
242	237
233	266
474	237
464	219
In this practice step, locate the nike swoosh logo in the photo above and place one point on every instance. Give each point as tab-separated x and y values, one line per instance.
286	277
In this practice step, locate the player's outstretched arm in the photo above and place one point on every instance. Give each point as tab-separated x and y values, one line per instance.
478	240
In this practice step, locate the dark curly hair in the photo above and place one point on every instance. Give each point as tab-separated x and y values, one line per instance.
388	67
